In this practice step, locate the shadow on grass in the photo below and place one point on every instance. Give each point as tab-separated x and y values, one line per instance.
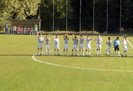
63	56
16	54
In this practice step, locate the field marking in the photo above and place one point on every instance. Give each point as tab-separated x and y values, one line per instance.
33	57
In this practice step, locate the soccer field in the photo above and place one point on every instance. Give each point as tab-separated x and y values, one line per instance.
20	72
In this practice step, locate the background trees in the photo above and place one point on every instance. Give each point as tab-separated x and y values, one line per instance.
28	9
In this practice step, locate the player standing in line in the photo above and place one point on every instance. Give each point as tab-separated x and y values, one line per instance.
125	41
66	38
40	41
47	47
116	46
75	43
99	44
109	46
88	45
81	46
56	44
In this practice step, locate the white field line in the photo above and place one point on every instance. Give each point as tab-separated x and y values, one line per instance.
33	57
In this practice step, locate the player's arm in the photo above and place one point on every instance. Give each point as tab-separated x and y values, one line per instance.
114	43
37	34
92	37
95	39
78	37
72	36
101	42
53	38
67	36
83	37
127	40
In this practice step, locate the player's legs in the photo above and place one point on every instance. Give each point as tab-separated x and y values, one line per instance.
118	51
89	52
86	52
55	51
73	49
125	51
107	51
79	51
97	48
58	51
63	52
41	51
38	51
81	48
114	50
83	51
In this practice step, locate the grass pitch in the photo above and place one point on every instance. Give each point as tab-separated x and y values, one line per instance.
19	72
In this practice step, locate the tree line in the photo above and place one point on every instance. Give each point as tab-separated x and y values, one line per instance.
29	9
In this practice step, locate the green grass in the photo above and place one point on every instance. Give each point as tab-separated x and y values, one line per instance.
19	72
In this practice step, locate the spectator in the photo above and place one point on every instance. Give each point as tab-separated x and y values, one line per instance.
18	30
32	31
25	30
13	31
6	28
22	30
35	29
28	32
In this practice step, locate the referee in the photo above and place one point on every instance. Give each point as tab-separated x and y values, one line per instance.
116	46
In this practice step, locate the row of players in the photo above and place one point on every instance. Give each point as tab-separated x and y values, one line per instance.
24	30
88	40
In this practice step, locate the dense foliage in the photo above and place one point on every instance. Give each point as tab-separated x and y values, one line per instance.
29	9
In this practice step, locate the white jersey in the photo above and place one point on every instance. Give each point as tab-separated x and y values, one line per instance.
14	28
56	41
109	43
40	39
99	41
47	41
88	41
124	42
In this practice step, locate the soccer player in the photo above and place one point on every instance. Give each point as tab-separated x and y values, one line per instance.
125	41
47	47
81	46
116	44
88	45
99	44
66	38
6	28
56	44
40	41
75	43
109	46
